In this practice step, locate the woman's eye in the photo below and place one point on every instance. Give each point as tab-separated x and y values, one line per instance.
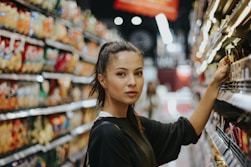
139	73
121	74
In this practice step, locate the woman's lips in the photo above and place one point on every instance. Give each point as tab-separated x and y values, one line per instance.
132	93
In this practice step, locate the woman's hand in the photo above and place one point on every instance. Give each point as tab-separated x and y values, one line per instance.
222	72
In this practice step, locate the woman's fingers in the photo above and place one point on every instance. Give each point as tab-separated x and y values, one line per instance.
222	71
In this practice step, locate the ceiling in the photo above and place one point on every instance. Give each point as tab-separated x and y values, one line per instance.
104	11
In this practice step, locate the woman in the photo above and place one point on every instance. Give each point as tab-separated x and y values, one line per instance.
120	138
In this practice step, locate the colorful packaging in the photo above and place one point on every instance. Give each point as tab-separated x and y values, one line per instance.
8	95
51	58
33	59
10	12
23	22
66	62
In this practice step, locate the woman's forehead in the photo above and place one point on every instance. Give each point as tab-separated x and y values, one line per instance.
126	57
126	60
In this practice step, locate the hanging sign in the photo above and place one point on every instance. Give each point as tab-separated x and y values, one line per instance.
149	7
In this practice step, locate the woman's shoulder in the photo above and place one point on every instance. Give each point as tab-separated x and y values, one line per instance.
104	127
146	120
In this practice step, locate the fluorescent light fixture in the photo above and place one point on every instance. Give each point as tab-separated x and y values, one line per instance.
136	20
118	21
164	29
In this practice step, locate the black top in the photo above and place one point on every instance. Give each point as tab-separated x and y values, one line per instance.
114	142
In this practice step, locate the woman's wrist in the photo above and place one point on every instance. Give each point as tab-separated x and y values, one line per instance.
213	88
214	83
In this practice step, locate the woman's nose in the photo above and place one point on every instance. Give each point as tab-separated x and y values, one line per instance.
131	80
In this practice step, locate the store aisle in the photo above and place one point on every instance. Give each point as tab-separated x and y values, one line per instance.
176	104
173	105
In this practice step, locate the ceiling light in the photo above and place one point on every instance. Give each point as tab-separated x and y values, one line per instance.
164	29
118	21
136	20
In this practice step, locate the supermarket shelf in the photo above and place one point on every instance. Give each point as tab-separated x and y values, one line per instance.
230	152
87	34
89	59
22	77
34	149
240	100
49	110
29	150
45	148
209	152
60	45
74	158
78	155
225	31
82	80
33	7
17	36
240	158
45	75
56	143
93	37
74	78
81	129
216	152
19	155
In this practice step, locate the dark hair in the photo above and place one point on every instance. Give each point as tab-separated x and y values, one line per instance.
106	53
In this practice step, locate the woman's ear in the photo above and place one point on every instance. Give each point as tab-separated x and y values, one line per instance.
101	80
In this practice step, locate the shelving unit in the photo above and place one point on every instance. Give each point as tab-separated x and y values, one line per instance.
222	28
50	128
45	148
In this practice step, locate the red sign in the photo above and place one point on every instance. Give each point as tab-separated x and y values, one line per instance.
149	7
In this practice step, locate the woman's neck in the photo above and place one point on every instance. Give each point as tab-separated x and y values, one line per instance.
119	112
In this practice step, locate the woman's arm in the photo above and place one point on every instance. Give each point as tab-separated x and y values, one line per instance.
202	112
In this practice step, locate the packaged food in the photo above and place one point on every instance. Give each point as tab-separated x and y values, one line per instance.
83	68
59	32
51	57
37	25
59	92
28	94
33	59
48	26
19	134
6	135
23	21
10	12
66	62
49	5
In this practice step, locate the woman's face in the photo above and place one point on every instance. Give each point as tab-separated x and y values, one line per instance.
124	80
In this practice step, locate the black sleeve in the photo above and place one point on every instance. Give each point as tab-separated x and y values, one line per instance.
107	147
167	139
